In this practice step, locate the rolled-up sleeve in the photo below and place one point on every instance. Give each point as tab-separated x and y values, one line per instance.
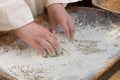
14	14
49	2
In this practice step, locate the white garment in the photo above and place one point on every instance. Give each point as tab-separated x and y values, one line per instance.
17	13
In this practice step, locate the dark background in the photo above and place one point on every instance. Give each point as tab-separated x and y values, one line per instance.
87	3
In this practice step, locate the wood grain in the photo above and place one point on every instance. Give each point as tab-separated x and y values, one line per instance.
5	76
116	76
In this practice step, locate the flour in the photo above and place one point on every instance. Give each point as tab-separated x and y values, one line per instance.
79	59
115	33
87	46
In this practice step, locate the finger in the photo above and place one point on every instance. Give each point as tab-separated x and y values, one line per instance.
39	48
53	26
71	28
66	29
53	36
53	41
48	47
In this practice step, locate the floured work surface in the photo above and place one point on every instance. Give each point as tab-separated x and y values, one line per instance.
91	50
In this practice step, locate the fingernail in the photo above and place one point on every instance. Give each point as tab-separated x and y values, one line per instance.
53	54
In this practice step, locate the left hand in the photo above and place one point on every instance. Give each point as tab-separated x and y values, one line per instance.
58	15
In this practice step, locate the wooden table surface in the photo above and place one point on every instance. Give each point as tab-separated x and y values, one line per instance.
116	76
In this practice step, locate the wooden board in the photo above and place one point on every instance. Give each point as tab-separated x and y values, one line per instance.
109	5
95	53
116	76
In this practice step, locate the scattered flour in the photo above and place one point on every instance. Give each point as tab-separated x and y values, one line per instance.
79	59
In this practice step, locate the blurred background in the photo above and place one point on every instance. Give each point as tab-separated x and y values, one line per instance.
87	3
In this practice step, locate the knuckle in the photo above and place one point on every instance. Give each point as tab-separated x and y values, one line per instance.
63	19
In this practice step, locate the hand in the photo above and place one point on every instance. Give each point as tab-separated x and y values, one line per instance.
58	15
39	38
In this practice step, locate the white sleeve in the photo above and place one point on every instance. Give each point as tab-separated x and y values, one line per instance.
14	14
49	2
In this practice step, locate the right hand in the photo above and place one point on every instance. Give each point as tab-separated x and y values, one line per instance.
39	38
